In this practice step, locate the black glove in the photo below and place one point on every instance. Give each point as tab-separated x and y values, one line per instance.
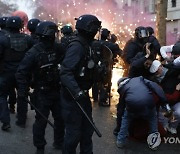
81	98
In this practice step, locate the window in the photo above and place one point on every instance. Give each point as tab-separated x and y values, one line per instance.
173	2
175	30
152	5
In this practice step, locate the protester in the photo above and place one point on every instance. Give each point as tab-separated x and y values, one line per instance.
139	103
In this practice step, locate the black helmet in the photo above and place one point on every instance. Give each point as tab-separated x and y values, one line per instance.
46	28
88	23
141	32
113	38
3	22
105	32
176	49
67	29
14	22
32	24
150	30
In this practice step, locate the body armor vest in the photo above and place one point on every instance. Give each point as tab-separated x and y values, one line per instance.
17	49
86	70
48	68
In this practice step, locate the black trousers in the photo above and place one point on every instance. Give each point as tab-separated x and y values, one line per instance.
7	81
78	128
46	102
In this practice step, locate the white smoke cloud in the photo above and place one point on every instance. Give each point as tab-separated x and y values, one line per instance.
24	5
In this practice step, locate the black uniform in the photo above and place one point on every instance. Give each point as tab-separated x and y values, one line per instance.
31	26
134	46
12	93
155	43
66	39
72	66
12	50
42	61
77	76
101	90
131	48
3	32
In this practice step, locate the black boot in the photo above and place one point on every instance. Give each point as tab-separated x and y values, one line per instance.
5	126
40	151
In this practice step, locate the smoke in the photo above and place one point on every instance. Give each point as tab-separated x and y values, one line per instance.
27	6
117	16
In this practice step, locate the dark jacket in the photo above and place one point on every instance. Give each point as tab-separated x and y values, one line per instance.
138	95
171	79
74	73
34	64
137	67
130	50
3	32
13	47
35	38
114	48
155	43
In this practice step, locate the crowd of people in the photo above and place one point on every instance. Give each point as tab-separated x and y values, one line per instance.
150	89
54	73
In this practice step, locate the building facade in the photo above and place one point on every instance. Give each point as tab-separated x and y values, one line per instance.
173	21
148	8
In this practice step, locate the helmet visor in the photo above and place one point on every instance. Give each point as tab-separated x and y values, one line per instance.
142	34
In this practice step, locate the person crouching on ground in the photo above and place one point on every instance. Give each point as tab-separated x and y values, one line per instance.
139	102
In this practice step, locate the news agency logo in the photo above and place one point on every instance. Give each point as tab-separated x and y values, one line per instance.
171	140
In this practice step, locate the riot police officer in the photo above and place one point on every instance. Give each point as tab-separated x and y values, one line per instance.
66	30
42	61
68	35
102	90
133	46
12	50
12	92
77	77
115	48
31	26
3	25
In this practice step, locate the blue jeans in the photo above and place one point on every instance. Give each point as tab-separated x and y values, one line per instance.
127	119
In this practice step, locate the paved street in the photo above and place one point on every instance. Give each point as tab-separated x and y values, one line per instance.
19	141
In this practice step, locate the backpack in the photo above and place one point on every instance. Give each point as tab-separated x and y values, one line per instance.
17	49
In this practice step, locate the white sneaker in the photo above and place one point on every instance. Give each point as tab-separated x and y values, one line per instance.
171	130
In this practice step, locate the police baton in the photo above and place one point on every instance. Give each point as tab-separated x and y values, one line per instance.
92	124
42	115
